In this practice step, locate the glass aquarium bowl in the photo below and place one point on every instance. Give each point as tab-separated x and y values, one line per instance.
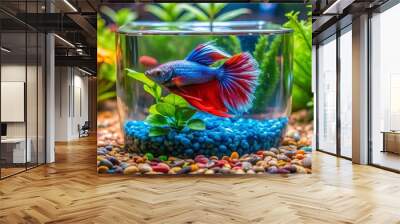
189	89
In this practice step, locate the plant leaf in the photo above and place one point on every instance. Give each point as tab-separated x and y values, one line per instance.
158	131
156	120
184	113
124	16
197	124
153	109
158	12
106	96
149	90
200	15
141	77
232	14
166	109
157	90
175	100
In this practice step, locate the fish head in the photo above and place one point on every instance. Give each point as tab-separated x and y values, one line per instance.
160	74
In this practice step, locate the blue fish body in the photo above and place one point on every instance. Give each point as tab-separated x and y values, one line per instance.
221	91
191	72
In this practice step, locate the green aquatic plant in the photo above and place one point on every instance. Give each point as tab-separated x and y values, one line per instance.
106	65
170	12
302	94
121	17
266	55
212	12
170	111
230	44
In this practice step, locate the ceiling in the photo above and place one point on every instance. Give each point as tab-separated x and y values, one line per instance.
331	15
74	21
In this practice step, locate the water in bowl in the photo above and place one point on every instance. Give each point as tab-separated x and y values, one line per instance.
189	89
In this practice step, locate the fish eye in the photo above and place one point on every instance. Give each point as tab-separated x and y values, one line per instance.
157	72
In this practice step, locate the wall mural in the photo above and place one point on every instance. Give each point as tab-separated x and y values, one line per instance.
207	88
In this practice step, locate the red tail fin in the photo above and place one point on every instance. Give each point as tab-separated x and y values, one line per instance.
204	97
238	81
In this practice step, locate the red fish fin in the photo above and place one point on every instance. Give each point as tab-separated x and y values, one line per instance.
178	81
238	82
204	97
206	54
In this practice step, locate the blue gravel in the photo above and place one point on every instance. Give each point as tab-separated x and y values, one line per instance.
221	137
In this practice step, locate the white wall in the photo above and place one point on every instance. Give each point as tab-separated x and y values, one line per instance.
71	102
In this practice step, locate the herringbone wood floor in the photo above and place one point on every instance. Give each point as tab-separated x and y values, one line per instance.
70	191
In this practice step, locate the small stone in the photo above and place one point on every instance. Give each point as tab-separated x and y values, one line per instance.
213	158
209	172
300	169
105	162
177	163
184	170
300	156
194	167
102	169
296	162
200	171
131	170
149	156
226	158
307	149
290	153
144	168
176	169
139	160
163	158
303	142
269	153
272	169
246	166
300	152
250	172
254	159
283	157
190	161
220	163
282	171
171	158
307	162
274	150
258	169
201	159
216	169
225	170
201	165
161	167
290	168
273	163
239	171
210	164
113	160
262	163
281	163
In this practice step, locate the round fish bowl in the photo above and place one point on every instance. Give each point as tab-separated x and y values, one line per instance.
188	89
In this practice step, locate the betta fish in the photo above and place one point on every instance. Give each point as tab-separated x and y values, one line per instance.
223	91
